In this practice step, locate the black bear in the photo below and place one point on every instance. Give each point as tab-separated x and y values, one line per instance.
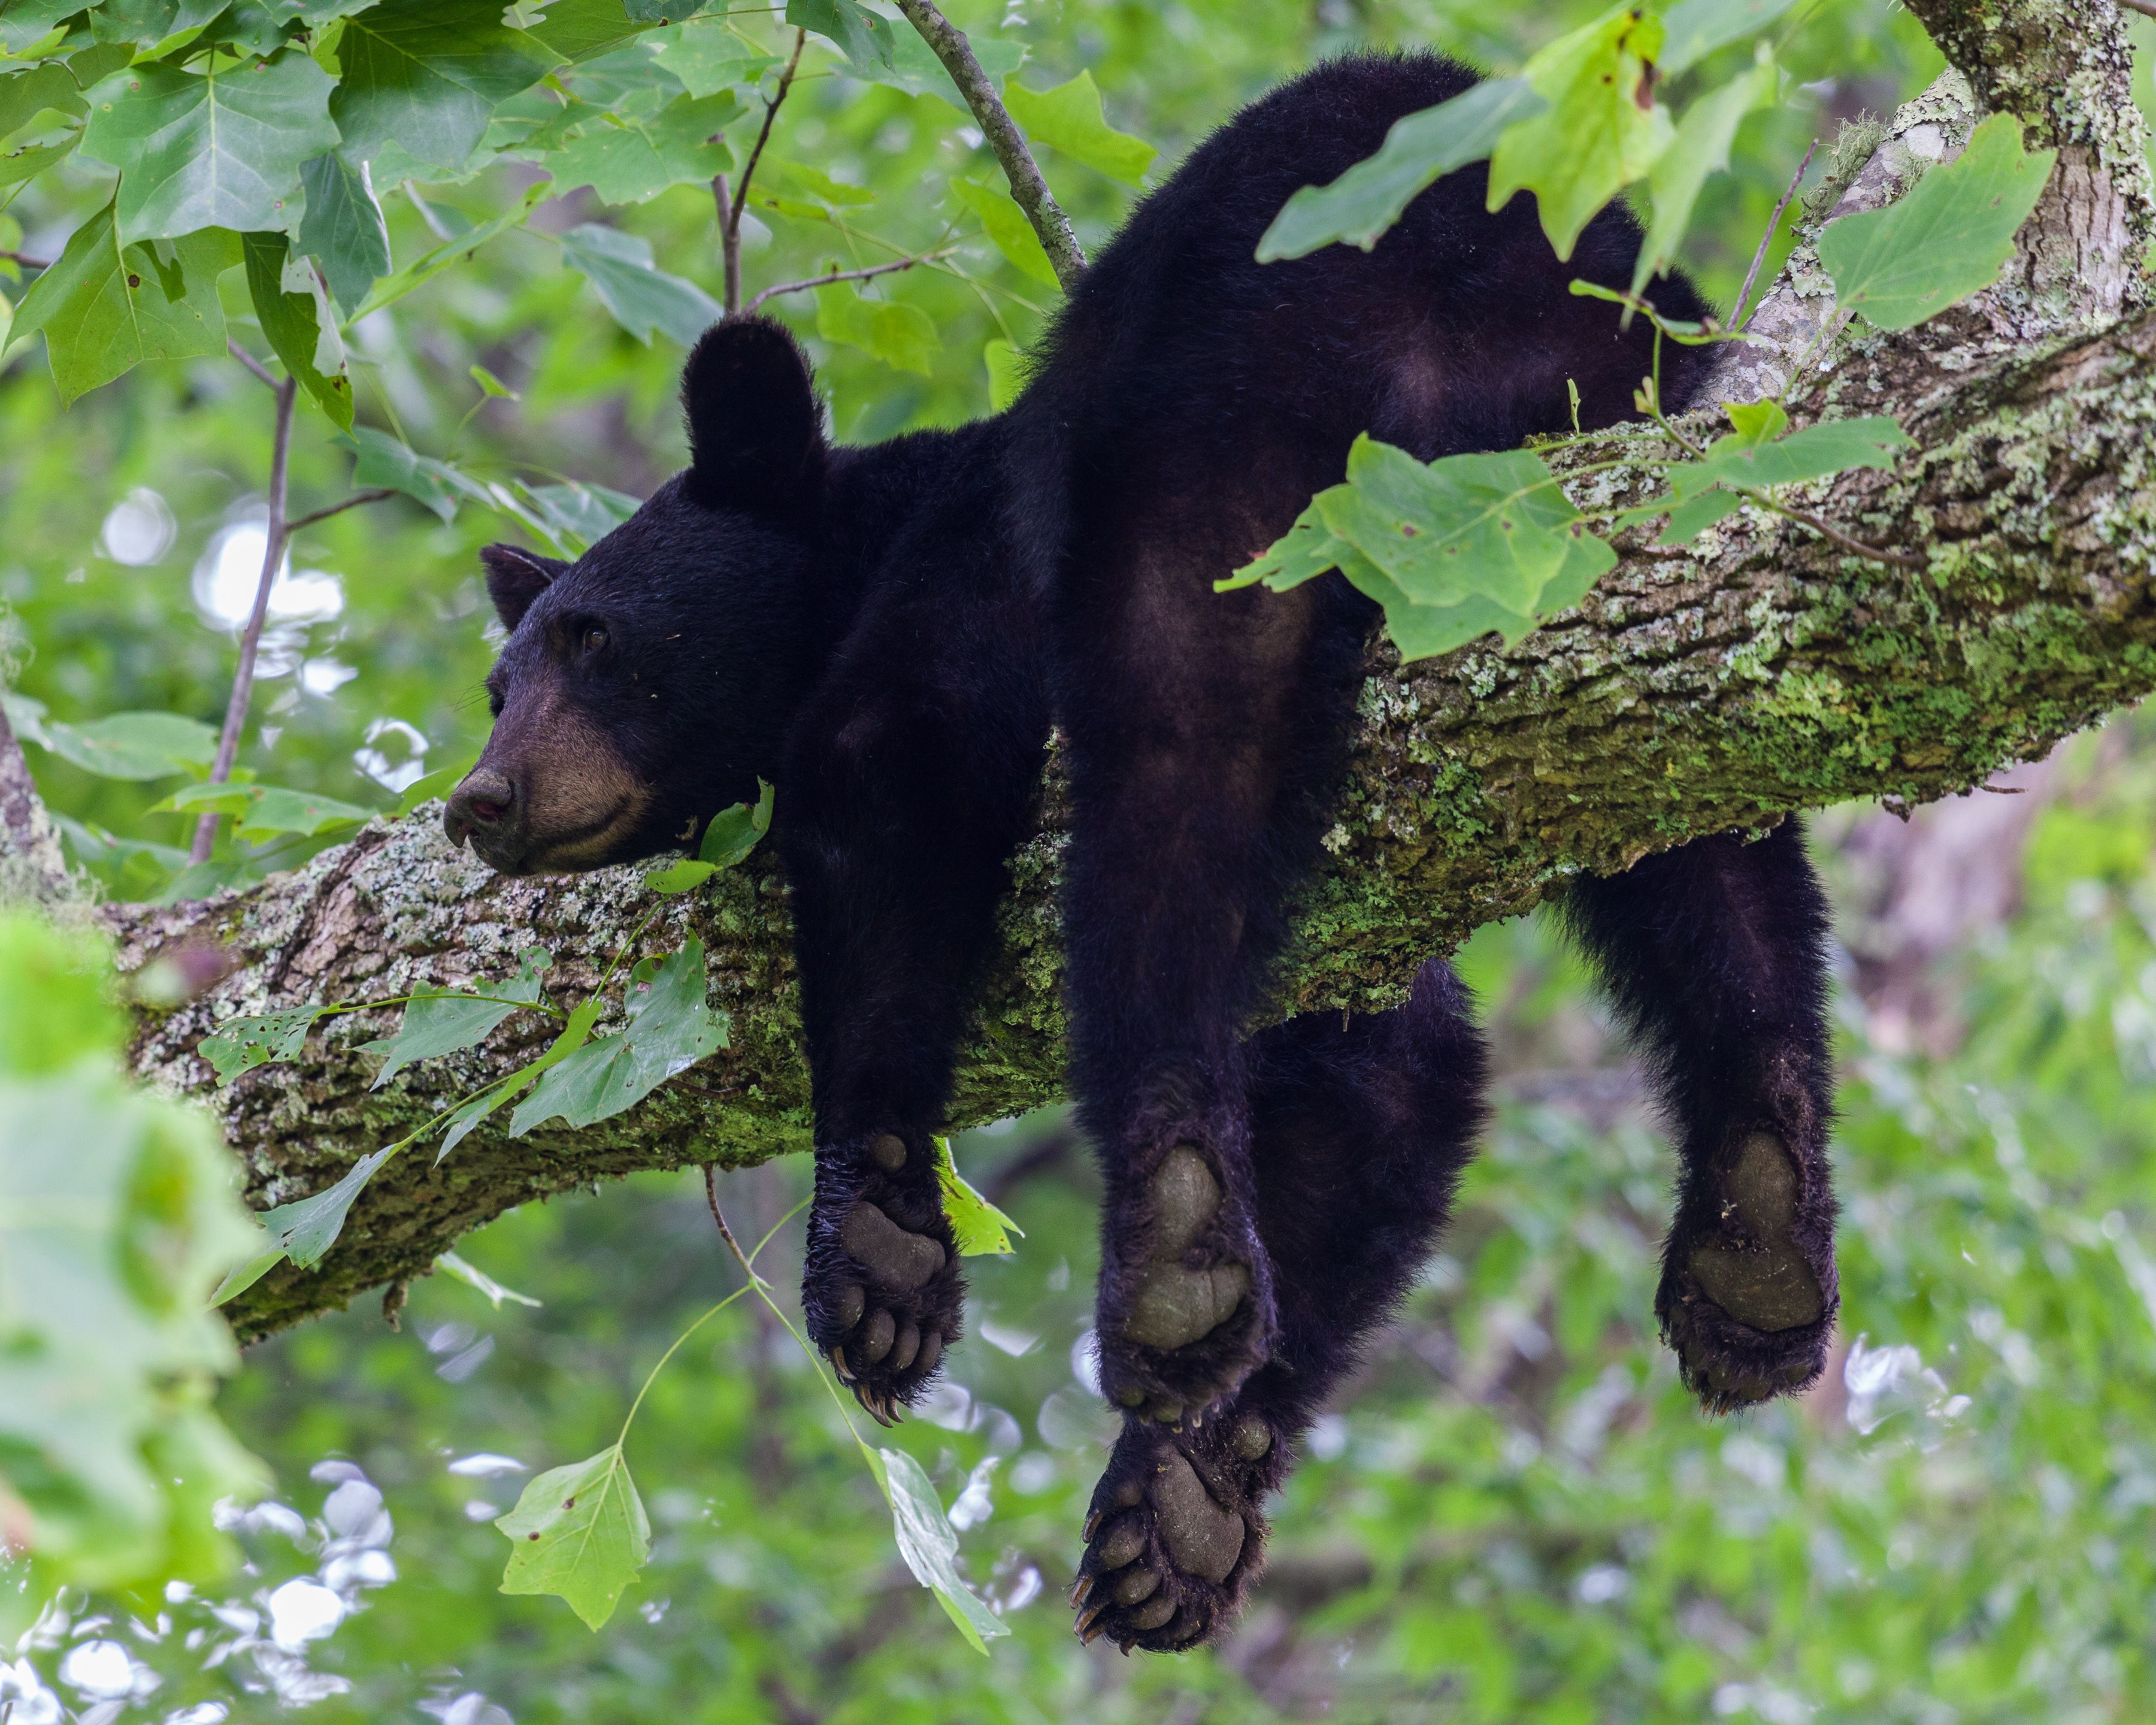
889	633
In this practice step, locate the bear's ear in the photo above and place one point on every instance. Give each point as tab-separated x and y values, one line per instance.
756	432
515	577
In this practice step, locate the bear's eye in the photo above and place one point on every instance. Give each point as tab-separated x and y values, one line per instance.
594	639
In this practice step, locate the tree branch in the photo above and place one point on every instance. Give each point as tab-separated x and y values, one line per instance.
250	641
32	865
1027	184
824	281
323	515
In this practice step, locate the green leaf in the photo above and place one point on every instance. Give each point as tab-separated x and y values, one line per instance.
683	876
221	149
981	1229
1370	197
384	462
1007	227
732	832
1693	29
1701	147
25	95
264	810
143	24
642	297
930	1546
122	745
1594	137
1949	237
473	1276
440	1021
631	160
305	1231
915	68
1070	118
241	1045
1758	422
1689	519
1817	452
450	252
671	1026
1008	373
300	326
584	29
423	76
579	516
468	1113
711	55
105	307
898	334
580	1533
25	23
863	37
343	227
32	160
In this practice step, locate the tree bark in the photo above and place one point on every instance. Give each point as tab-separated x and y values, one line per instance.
1759	672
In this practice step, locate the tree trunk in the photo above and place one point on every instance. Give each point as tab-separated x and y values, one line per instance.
1759	672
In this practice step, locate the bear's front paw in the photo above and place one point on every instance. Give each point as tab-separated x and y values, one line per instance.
1748	1291
882	1290
1174	1537
1183	1324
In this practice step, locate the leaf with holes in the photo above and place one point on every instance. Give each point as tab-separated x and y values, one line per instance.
1370	197
580	1533
643	298
241	1045
1601	130
1070	118
440	1021
930	1546
214	149
1949	237
105	307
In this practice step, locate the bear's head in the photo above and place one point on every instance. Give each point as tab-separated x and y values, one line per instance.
649	684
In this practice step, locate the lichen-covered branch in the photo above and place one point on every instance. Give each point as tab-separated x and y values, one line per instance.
1761	672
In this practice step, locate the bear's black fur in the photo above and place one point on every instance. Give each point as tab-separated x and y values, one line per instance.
889	632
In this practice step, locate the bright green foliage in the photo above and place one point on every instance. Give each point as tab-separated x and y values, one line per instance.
1701	147
450	252
308	1227
643	298
1453	548
104	306
1364	202
420	80
1007	226
709	57
897	333
931	1548
293	309
981	1229
460	1121
1693	29
385	460
1601	130
218	149
1007	372
1949	237
24	95
140	746
632	154
241	1045
261	811
442	1021
116	1216
579	1533
575	516
671	1026
915	68
343	227
1070	118
729	836
865	38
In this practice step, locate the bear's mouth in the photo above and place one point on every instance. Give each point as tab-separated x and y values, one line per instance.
589	845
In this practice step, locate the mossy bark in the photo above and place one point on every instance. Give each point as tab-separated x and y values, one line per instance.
1759	672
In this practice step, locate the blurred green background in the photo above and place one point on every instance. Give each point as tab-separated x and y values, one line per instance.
1515	1513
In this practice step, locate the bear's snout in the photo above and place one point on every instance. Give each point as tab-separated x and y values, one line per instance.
484	808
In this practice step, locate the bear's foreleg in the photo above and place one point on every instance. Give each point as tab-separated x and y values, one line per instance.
1715	954
911	779
1359	1133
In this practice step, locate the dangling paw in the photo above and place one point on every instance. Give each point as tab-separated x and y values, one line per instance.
1175	1538
1190	1325
882	1290
1748	1297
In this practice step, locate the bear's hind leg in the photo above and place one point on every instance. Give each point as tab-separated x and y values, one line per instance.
1715	954
1359	1133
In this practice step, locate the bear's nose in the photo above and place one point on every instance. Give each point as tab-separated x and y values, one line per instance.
479	805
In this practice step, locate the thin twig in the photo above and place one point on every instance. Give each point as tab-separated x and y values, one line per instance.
817	281
23	261
1005	138
323	515
771	108
729	245
1767	239
251	363
243	681
1900	559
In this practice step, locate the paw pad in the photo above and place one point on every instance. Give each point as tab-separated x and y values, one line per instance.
1760	1276
1175	1304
